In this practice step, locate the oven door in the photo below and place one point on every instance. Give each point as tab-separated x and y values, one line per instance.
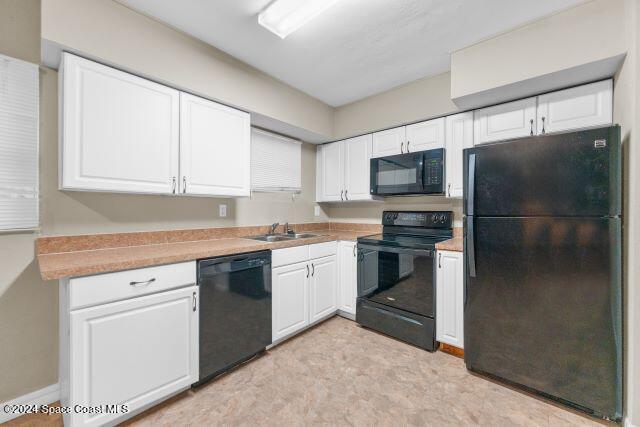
401	174
395	277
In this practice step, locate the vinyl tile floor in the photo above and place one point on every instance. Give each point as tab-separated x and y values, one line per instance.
339	373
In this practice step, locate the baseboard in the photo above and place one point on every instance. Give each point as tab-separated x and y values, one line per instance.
44	396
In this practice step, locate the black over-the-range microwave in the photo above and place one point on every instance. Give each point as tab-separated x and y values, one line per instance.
421	172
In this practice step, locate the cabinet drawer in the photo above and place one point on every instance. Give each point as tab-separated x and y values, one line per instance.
320	250
99	289
288	256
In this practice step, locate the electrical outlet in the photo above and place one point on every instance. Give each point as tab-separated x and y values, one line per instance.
222	210
316	210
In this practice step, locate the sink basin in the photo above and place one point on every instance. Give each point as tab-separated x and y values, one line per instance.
282	237
272	238
303	235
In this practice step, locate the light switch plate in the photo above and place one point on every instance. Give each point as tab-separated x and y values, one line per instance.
222	211
316	210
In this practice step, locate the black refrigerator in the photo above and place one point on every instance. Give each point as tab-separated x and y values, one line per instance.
543	266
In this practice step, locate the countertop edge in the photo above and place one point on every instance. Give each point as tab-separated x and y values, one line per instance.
49	273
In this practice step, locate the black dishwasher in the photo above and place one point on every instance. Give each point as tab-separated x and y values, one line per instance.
235	310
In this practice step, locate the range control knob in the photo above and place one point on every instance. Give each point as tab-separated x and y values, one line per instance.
434	218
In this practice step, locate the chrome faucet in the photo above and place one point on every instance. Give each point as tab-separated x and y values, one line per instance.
287	229
273	227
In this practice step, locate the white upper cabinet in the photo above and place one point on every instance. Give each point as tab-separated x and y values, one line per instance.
120	133
427	135
459	136
330	173
505	121
450	298
123	133
357	156
578	107
389	142
343	170
215	148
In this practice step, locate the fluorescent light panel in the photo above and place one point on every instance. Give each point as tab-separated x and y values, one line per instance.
283	17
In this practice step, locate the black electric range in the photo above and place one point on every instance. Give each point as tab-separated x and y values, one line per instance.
396	275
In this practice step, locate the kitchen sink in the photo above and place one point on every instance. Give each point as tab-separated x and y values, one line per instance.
282	237
272	238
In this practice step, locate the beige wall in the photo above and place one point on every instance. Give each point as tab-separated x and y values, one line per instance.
412	102
627	113
371	212
110	32
581	35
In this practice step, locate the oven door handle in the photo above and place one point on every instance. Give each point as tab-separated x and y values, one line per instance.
396	250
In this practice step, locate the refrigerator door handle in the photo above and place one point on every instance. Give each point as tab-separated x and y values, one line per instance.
472	184
471	250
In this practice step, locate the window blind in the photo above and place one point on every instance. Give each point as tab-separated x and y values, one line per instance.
275	162
19	103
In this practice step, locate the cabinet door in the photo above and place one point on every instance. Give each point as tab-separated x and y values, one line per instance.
290	299
324	287
425	135
215	148
120	133
133	352
459	136
450	299
357	156
505	121
332	172
575	108
347	277
389	142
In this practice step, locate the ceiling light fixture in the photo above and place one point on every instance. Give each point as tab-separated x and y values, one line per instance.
283	17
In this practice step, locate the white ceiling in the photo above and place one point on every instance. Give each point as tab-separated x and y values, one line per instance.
356	48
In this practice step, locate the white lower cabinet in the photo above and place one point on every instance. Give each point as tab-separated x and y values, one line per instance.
450	298
323	296
290	299
347	277
305	287
134	352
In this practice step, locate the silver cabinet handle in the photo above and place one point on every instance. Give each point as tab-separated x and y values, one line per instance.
402	147
345	195
408	146
531	121
184	184
195	302
313	269
173	185
341	193
354	250
307	270
144	283
543	131
439	260
449	190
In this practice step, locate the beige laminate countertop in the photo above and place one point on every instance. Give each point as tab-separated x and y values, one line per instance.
456	245
86	262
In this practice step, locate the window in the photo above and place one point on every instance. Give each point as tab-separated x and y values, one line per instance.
275	162
19	103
